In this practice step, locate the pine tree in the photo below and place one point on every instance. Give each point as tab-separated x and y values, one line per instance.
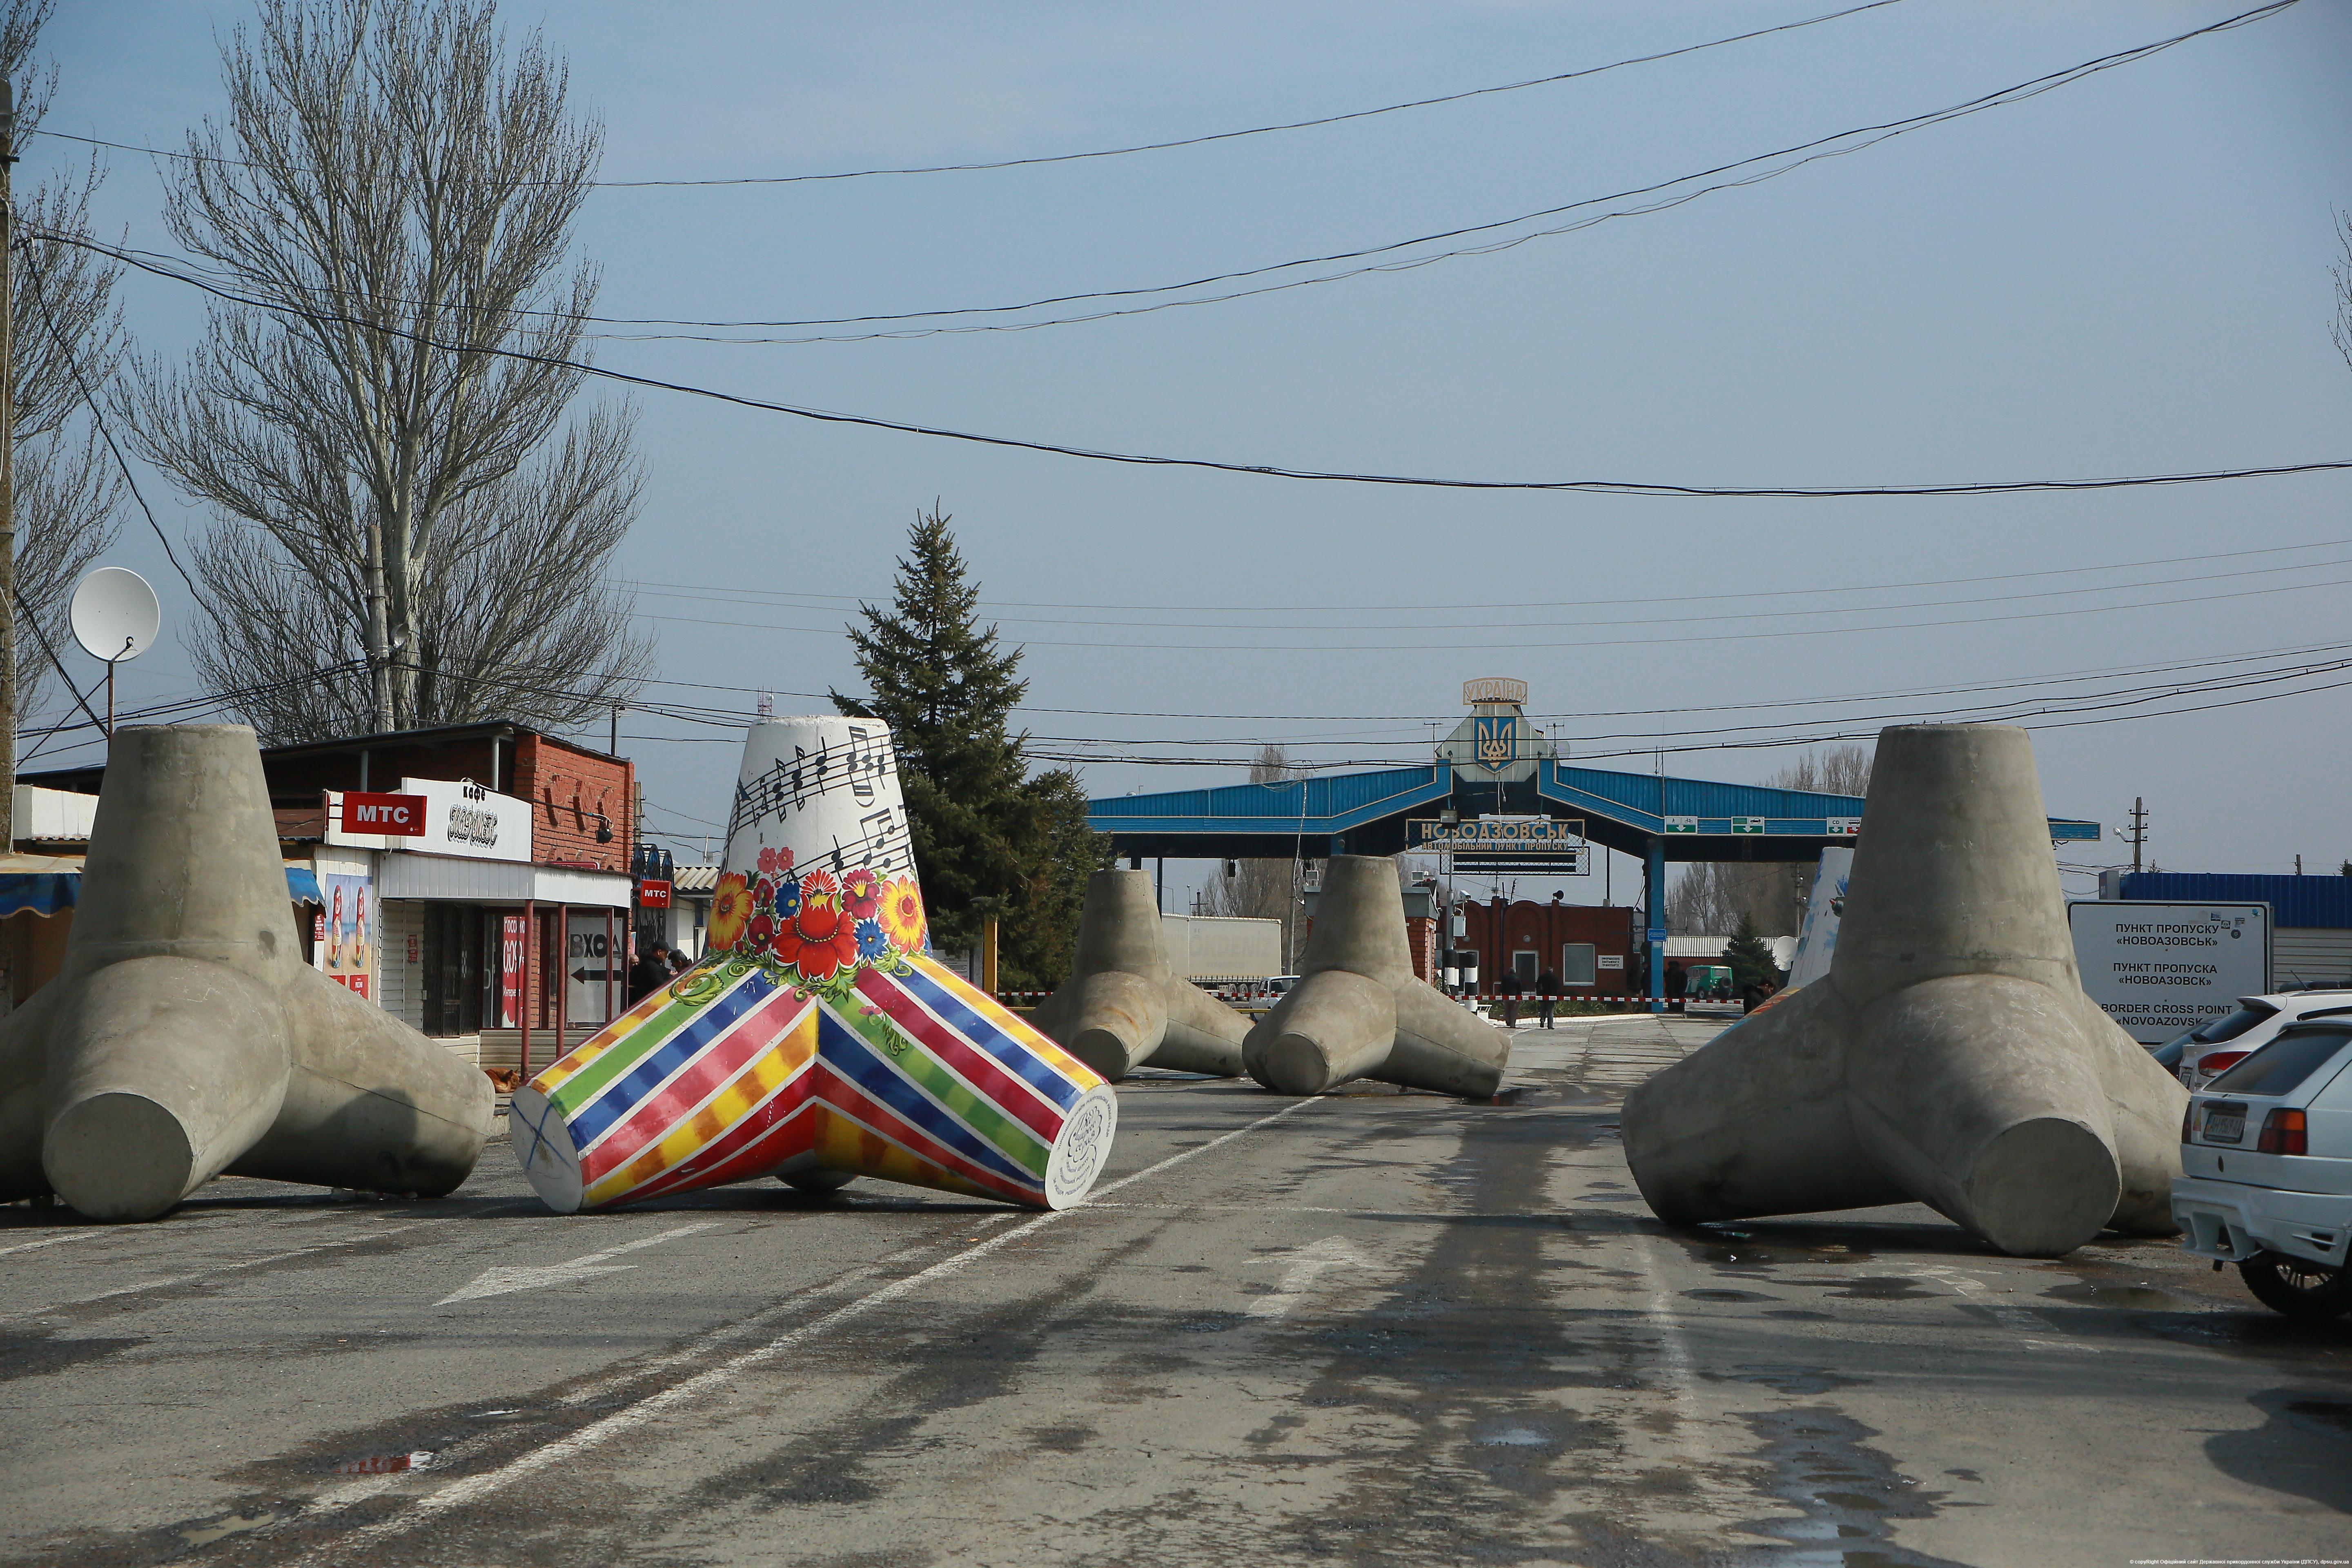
1751	959
986	834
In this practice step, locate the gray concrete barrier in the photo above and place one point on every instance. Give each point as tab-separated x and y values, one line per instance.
1949	1057
185	1038
1122	1006
1358	1010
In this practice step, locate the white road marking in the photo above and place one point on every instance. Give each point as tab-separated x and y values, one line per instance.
208	1273
1302	1269
471	1488
1681	1371
499	1280
56	1240
2019	1320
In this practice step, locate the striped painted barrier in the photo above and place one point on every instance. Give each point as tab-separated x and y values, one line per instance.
818	1040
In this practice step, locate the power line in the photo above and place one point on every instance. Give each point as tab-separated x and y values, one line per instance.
1799	153
1709	617
96	414
1136	459
2133	671
1802	154
1524	645
821	600
1107	152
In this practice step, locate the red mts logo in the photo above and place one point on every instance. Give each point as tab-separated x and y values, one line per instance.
399	816
653	893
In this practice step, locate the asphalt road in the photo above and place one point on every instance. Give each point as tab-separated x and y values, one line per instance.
1373	1328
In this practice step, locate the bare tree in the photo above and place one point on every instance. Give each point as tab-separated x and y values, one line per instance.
396	188
1710	896
1266	889
66	342
2341	327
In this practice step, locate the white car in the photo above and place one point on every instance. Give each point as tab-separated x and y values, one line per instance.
2266	1169
2210	1048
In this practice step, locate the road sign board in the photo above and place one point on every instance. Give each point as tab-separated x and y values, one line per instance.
1682	825
2159	969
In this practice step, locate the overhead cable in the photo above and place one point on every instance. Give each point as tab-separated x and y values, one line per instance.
1104	151
1837	144
1260	471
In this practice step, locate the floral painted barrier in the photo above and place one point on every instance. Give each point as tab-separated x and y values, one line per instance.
818	1040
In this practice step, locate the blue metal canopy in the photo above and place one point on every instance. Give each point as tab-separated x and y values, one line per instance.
1365	813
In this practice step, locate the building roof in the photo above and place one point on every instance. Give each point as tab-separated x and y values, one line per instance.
2296	902
1368	812
86	780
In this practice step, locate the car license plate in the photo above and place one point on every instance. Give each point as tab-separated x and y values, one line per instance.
2224	1127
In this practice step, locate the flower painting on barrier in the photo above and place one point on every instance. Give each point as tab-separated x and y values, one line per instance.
818	1039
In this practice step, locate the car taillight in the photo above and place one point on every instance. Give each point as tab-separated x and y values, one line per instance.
2187	1117
2282	1134
2220	1062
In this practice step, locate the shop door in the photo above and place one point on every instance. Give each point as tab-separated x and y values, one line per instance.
453	969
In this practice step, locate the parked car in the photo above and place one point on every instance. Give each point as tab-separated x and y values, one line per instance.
2210	1048
2266	1163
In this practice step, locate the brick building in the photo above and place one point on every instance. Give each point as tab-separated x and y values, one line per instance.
503	928
1590	947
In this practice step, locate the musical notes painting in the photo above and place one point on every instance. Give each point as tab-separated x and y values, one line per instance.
817	1039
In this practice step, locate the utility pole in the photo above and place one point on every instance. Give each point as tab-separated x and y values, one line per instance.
8	502
2137	836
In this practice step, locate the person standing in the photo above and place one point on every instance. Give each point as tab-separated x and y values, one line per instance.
1506	991
1677	986
1548	993
649	972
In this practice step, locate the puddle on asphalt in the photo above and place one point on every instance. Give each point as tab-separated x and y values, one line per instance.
2142	1298
1851	1494
1805	1380
1883	1287
1513	1437
386	1464
2332	1418
1799	1315
42	1351
220	1529
1729	1296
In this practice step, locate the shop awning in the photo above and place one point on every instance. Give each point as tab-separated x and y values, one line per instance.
43	884
47	883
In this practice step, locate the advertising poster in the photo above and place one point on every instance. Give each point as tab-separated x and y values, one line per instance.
514	932
347	944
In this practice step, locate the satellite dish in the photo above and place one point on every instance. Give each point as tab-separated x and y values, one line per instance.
115	615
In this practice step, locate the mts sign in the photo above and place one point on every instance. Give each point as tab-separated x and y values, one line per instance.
395	815
653	893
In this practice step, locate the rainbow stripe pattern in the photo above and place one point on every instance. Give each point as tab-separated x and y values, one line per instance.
738	1070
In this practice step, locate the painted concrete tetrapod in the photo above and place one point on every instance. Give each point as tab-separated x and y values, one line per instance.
818	1040
1949	1057
1123	1006
1358	1011
185	1038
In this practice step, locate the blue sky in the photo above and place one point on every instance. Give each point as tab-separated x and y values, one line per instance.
2130	274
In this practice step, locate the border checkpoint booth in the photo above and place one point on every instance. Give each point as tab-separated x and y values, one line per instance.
1497	766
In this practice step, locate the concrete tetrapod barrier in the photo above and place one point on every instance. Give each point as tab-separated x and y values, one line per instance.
1358	1010
818	1040
1123	1005
185	1038
1949	1057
